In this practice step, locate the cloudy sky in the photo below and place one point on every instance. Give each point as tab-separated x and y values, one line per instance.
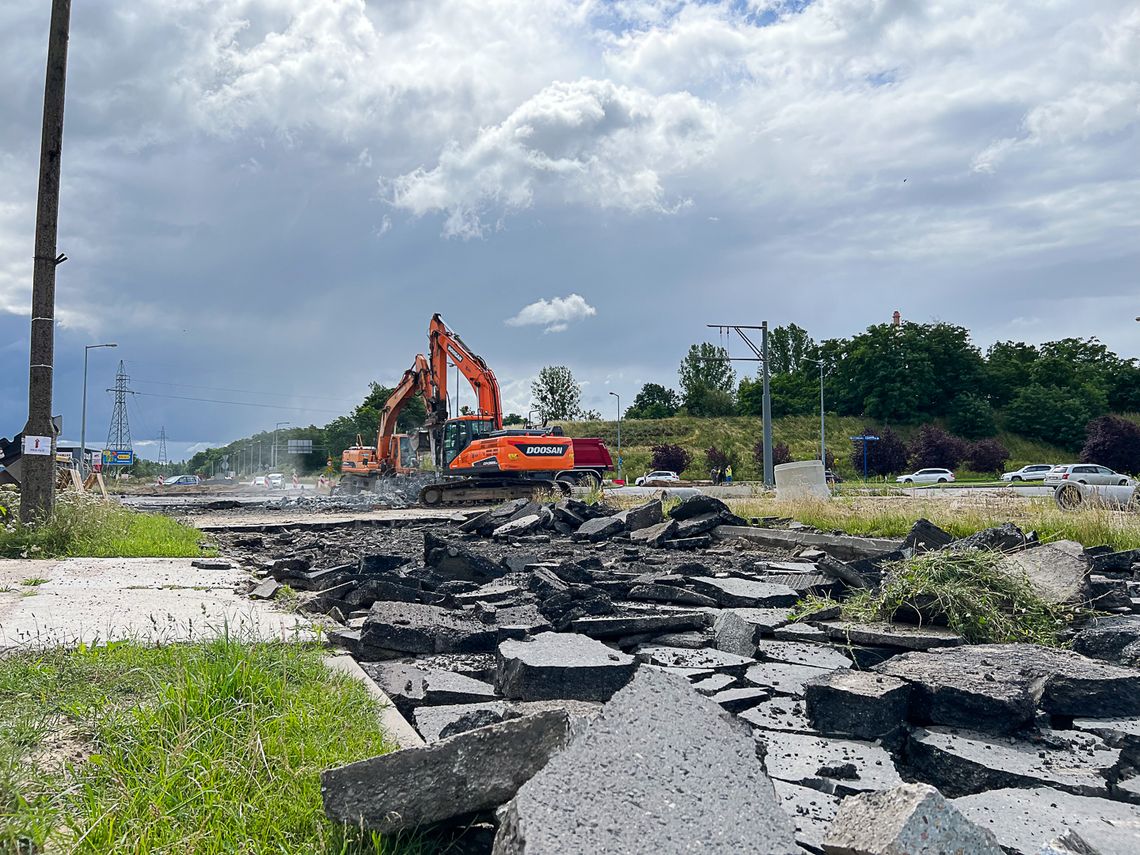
265	200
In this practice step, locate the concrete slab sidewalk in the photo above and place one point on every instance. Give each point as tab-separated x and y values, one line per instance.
154	600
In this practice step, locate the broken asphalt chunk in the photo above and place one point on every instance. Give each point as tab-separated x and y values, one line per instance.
861	704
832	765
473	771
693	776
733	592
1023	819
561	665
418	628
961	762
910	819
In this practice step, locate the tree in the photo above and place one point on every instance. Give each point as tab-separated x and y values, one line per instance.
556	393
673	458
888	456
986	455
972	416
711	403
654	401
411	416
1054	415
513	419
590	416
788	348
907	373
705	369
1008	368
934	447
1113	442
792	395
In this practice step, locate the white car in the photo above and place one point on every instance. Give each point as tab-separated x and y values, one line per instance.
1086	473
1032	472
259	481
659	475
927	476
276	481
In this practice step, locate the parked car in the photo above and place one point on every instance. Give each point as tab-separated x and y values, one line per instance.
276	480
927	476
656	476
1086	473
1032	472
260	481
181	481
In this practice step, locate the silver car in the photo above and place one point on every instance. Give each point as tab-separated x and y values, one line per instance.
1032	472
927	476
1086	473
660	476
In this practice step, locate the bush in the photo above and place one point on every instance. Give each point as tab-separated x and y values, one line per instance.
781	454
934	447
971	416
1113	442
986	455
671	457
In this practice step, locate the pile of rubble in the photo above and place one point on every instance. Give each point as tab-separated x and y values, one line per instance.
584	679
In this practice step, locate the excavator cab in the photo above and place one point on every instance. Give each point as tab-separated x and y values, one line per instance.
461	432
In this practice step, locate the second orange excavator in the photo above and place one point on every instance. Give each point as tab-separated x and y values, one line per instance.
480	461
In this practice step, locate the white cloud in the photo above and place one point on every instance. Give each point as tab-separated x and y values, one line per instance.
554	314
590	141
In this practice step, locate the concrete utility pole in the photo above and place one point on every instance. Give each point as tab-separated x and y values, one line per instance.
38	488
761	356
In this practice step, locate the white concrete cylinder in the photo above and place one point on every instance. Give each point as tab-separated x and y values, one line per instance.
802	479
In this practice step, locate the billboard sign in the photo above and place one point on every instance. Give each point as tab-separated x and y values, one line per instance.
118	457
300	446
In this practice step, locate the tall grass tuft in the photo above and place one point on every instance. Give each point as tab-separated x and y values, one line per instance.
971	593
84	526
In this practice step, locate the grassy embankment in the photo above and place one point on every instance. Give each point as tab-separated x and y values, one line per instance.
204	748
83	526
740	434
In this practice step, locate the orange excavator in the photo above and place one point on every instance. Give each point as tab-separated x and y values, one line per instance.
480	461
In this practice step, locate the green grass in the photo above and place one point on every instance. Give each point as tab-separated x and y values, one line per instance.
83	526
893	516
970	593
200	748
739	434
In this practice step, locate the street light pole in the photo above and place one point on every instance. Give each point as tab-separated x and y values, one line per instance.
83	418
274	455
822	422
616	395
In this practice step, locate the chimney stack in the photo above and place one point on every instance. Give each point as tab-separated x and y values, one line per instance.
896	318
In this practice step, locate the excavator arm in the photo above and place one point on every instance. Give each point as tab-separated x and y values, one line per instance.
445	345
366	462
414	382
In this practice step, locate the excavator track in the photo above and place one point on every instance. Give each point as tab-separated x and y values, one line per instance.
465	491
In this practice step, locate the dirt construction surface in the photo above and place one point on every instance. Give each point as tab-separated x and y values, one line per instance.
545	651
